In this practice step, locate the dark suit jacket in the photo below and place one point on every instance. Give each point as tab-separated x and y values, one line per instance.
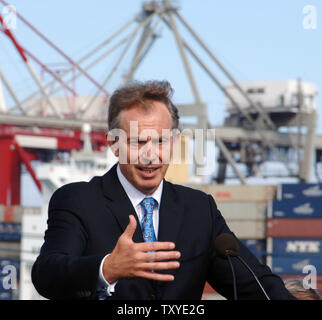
87	218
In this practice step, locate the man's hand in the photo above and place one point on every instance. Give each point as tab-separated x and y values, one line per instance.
133	260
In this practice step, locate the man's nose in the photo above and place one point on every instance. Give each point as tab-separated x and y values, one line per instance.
149	152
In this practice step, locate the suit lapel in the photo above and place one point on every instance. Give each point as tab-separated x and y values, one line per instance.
119	203
171	214
171	211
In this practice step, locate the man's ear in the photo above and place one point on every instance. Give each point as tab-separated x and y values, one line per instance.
112	143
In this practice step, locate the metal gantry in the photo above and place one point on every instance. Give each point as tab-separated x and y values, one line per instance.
141	32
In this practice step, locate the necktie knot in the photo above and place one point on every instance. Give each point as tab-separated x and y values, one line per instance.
148	205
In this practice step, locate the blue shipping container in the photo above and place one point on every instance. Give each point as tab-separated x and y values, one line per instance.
12	262
296	265
257	247
10	231
6	275
5	293
297	208
293	191
297	246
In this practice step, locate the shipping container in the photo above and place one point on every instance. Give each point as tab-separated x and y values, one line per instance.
10	231
294	228
9	278
11	214
243	210
257	247
247	229
296	246
237	193
297	208
293	191
10	249
14	262
14	213
296	264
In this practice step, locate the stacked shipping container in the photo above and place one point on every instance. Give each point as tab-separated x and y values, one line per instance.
245	211
294	232
10	239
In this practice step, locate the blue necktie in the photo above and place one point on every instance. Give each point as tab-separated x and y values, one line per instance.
148	204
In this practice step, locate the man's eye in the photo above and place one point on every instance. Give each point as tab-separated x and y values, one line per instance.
163	141
137	142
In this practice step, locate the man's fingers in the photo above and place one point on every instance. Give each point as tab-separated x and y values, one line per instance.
160	265
130	229
154	246
161	255
155	276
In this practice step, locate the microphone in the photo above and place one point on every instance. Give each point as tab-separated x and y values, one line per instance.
227	246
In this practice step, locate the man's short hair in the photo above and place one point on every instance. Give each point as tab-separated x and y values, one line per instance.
138	94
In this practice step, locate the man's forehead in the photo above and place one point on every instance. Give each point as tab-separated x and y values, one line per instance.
150	133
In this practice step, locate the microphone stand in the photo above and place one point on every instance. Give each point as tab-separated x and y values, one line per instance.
253	274
227	247
234	277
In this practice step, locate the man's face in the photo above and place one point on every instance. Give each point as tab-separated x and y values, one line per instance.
146	148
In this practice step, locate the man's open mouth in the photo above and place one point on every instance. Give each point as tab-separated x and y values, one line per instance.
148	170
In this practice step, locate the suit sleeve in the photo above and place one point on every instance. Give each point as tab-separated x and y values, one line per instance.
220	274
62	270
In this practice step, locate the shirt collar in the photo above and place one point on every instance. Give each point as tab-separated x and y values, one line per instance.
134	194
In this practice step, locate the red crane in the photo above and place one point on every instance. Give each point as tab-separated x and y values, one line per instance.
20	143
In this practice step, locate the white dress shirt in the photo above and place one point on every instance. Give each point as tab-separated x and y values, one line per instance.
136	198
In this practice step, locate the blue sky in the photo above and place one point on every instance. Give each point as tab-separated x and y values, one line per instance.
255	40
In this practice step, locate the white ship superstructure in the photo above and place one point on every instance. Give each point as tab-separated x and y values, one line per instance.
274	96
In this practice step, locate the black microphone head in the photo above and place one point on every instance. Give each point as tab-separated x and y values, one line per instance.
226	244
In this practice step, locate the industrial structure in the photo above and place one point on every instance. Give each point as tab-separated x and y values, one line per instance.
265	119
43	123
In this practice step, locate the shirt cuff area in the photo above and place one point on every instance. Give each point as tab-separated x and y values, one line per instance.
103	284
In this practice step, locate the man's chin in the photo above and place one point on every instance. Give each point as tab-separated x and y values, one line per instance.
148	187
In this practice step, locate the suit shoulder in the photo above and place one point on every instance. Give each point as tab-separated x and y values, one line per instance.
73	192
76	187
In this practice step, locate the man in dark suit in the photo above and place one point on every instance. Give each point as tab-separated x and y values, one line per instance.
130	234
